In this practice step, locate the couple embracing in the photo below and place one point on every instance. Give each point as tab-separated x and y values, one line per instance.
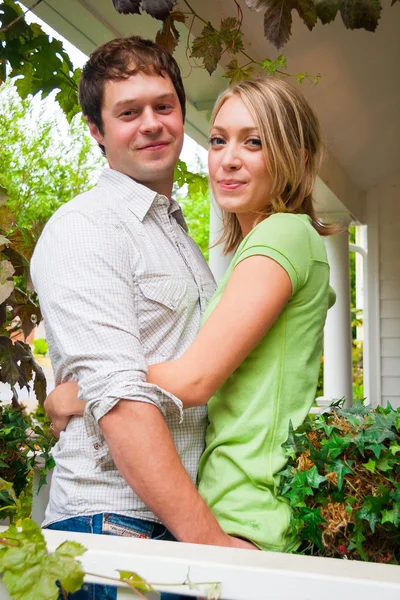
176	398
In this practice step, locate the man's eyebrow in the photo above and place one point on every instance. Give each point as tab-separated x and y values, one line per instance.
131	101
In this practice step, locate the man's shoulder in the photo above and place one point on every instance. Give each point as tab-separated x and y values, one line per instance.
94	204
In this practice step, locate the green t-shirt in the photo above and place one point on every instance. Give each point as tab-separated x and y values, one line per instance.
249	415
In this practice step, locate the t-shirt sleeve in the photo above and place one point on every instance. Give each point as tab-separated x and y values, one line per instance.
286	239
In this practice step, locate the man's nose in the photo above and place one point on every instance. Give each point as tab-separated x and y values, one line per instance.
150	122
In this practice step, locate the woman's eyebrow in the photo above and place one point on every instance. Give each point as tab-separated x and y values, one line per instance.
245	130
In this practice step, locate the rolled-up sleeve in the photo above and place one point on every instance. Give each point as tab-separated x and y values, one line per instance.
84	272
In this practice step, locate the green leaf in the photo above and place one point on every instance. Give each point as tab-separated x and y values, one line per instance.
231	35
10	372
372	507
370	465
235	73
208	47
341	469
168	36
360	14
135	581
391	516
295	442
394	447
278	22
278	18
6	280
336	444
357	540
30	572
8	488
300	489
314	478
380	430
376	449
326	10
386	461
312	519
271	66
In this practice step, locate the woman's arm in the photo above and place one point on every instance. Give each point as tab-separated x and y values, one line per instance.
255	295
257	292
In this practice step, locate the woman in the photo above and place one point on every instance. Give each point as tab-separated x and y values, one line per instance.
256	357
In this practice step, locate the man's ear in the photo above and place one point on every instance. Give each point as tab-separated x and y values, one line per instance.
94	132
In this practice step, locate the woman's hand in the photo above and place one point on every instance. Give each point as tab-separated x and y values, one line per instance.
61	404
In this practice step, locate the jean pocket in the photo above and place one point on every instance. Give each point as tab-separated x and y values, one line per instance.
78	524
126	527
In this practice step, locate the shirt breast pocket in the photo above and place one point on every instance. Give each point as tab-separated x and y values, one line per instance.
164	306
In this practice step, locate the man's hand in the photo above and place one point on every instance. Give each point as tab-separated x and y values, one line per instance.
144	453
61	404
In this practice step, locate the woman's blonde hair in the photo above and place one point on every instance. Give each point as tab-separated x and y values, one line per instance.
293	148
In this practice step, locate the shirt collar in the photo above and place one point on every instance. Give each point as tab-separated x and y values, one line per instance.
138	197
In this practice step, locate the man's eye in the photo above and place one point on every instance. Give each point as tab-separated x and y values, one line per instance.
216	141
128	113
164	107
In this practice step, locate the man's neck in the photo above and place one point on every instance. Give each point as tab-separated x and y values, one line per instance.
164	188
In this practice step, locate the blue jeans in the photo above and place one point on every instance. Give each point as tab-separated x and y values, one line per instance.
112	524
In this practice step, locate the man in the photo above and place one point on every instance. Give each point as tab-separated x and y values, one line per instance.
121	286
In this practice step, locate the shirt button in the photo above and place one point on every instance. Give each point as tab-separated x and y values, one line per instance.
96	446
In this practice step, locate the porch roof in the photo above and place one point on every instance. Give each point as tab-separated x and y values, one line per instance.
357	98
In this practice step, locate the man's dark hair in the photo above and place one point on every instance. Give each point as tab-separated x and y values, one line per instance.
119	59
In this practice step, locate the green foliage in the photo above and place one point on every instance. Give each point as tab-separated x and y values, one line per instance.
19	309
38	61
355	14
29	571
195	205
24	444
212	43
40	346
44	161
169	35
343	483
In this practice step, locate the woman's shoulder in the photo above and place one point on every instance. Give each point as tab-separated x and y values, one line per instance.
281	228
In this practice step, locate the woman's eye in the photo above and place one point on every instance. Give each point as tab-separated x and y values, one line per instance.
254	142
216	141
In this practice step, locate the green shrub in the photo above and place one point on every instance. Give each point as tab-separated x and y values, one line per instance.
22	442
343	483
40	346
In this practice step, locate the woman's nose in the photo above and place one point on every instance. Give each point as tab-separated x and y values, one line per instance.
231	160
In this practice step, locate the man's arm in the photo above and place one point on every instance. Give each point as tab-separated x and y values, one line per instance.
147	458
82	273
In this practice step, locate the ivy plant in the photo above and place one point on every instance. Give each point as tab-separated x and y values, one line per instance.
343	483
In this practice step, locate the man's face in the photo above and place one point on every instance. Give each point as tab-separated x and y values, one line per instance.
142	129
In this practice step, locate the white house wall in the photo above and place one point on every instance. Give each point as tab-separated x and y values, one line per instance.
383	217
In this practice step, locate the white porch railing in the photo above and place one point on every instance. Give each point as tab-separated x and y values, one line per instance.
242	574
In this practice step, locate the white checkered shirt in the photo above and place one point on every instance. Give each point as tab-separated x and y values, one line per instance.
121	285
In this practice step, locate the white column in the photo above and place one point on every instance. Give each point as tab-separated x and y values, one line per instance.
217	261
337	335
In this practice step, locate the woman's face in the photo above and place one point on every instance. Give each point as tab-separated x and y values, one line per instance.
238	171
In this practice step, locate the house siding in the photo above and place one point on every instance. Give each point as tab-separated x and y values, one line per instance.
387	198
